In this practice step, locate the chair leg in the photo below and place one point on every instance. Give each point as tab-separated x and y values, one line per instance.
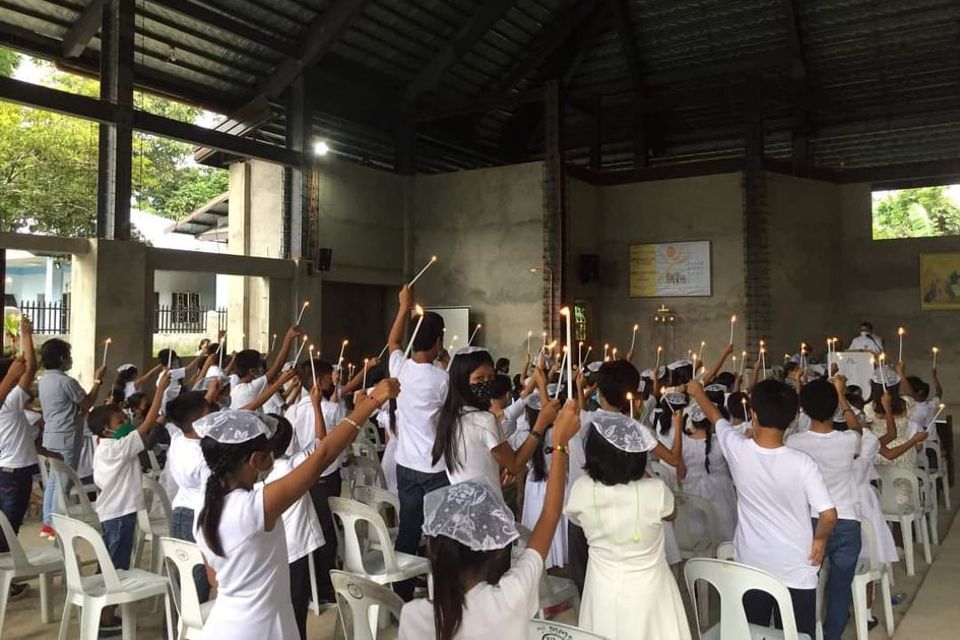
887	605
906	531
46	612
946	491
703	600
129	614
934	522
314	591
5	581
65	619
860	608
90	621
168	611
925	540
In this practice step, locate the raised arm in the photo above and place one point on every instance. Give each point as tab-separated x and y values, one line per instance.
151	420
91	398
288	339
148	376
319	426
514	461
354	383
400	322
755	377
715	369
696	392
565	427
14	374
269	391
906	389
29	354
849	417
887	403
279	495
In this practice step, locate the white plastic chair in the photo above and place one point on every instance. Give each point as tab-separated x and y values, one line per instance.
694	544
82	508
901	503
362	471
732	581
665	472
939	468
928	494
151	529
20	563
359	600
870	570
553	590
381	500
725	551
155	468
180	557
109	587
544	630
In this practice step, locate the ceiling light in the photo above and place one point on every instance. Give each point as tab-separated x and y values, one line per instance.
321	148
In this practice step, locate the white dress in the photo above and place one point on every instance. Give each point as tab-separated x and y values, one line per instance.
389	461
870	502
253	600
533	497
715	486
878	424
629	591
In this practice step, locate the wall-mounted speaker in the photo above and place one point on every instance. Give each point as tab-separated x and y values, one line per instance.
324	259
589	268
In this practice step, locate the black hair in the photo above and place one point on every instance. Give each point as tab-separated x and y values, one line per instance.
430	333
665	417
98	420
459	398
517	386
5	366
132	403
775	404
449	560
280	441
735	406
167	355
538	461
681	375
920	388
224	461
615	380
502	365
703	425
204	344
855	397
188	407
501	386
790	366
726	378
119	391
606	464
248	360
54	353
867	324
305	373
876	392
819	400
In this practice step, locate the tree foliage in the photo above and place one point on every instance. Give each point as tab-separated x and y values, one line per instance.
916	213
48	163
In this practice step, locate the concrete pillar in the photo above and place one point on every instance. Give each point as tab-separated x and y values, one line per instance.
112	298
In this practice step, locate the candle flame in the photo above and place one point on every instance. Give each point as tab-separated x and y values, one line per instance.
433	258
942	406
366	360
552	345
346	342
936	350
733	318
744	354
636	327
310	348
419	310
529	334
703	343
901	331
659	349
565	311
109	340
629	396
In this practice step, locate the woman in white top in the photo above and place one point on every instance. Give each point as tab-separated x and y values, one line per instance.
469	530
237	530
469	438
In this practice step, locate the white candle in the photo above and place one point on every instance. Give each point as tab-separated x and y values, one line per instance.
743	361
633	339
366	364
296	358
529	335
630	400
803	356
566	313
733	321
543	347
613	354
313	367
427	266
383	351
883	377
473	335
453	341
302	309
656	367
586	356
734	363
343	347
220	352
700	353
900	332
169	358
352	370
273	345
563	367
106	345
418	311
580	356
763	360
939	411
606	348
935	352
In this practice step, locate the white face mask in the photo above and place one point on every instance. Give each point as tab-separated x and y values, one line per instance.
865	334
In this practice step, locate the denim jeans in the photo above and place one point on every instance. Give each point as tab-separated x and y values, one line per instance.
843	553
16	485
182	529
412	486
325	558
118	538
70	458
760	606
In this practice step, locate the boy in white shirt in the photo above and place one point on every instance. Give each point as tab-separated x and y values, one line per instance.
777	489
117	473
252	381
424	390
834	452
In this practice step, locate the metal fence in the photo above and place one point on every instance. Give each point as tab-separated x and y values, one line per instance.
47	318
185	319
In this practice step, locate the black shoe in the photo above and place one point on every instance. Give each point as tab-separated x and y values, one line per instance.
18	591
111	630
871	623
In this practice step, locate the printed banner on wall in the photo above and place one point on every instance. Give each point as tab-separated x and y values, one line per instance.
670	269
939	281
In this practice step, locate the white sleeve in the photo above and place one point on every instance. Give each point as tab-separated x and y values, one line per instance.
818	496
521	582
396	360
513	412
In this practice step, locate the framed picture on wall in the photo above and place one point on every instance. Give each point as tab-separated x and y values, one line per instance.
670	270
940	281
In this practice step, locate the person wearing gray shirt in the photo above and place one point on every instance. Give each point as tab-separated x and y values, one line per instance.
65	405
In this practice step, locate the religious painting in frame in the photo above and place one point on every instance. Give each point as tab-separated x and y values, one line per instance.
670	270
940	281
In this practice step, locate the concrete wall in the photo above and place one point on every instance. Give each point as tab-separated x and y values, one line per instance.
584	237
486	228
702	208
166	283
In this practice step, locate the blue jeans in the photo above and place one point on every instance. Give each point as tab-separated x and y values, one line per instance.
70	458
412	486
118	537
16	485
182	529
843	553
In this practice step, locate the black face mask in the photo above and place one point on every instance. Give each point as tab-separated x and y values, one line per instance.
481	393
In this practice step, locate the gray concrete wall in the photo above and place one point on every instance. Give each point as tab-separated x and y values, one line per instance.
584	237
702	208
486	228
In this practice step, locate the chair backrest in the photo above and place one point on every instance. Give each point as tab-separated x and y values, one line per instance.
725	551
691	508
69	530
355	596
899	489
379	499
17	554
732	580
664	472
868	535
65	475
180	557
154	491
933	453
155	469
547	630
365	472
350	513
371	435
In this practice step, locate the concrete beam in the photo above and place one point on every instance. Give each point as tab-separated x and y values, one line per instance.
45	244
220	263
83	29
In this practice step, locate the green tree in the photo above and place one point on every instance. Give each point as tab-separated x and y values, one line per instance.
8	62
916	213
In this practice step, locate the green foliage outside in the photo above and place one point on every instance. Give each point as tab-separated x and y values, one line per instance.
916	213
48	163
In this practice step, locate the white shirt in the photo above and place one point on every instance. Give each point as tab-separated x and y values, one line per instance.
868	342
834	453
921	415
253	598
189	471
776	491
117	473
511	414
243	393
301	417
17	435
423	390
300	524
502	612
479	435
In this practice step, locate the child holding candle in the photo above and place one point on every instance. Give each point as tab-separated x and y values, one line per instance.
890	420
251	378
925	406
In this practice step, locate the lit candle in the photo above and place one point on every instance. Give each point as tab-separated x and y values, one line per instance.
366	365
300	350
786	357
630	400
566	313
529	335
417	311
427	266
352	370
106	345
580	356
743	402
313	367
743	361
633	339
606	348
453	341
302	309
656	367
586	356
803	356
563	367
939	411
383	351
613	354
883	376
473	335
700	353
935	352
900	332
734	363
733	321
763	360
220	351
343	347
544	345
273	345
169	358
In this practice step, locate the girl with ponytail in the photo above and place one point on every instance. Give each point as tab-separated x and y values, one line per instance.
469	529
245	552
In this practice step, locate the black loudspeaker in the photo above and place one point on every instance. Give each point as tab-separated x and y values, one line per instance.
324	259
589	267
